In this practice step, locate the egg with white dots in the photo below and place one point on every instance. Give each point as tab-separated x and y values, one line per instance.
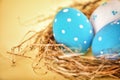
73	29
104	14
106	42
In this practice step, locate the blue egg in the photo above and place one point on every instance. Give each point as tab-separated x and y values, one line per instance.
72	28
107	41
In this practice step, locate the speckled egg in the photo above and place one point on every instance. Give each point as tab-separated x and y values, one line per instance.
107	41
73	29
104	14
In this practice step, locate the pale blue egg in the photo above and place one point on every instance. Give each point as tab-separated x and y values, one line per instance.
106	42
73	29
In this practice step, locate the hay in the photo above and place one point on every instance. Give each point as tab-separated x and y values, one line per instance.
60	59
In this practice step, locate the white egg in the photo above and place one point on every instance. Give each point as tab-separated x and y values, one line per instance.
104	14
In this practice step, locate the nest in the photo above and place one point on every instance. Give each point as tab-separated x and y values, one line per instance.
59	58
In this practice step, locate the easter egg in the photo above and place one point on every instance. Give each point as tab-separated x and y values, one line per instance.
105	13
107	41
72	28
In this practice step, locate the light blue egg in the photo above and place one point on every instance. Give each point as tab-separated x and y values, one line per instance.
107	41
72	28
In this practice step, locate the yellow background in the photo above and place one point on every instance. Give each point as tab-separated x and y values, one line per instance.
11	32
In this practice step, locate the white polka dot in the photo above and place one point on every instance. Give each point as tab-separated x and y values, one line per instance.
55	20
75	38
54	35
78	14
101	52
99	38
63	31
81	26
87	21
65	10
90	31
85	42
118	23
69	20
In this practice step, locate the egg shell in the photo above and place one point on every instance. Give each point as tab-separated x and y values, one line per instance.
72	28
105	13
107	40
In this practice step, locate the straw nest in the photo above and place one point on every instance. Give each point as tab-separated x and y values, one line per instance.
60	59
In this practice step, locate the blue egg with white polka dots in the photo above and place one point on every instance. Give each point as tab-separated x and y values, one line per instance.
106	42
73	29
